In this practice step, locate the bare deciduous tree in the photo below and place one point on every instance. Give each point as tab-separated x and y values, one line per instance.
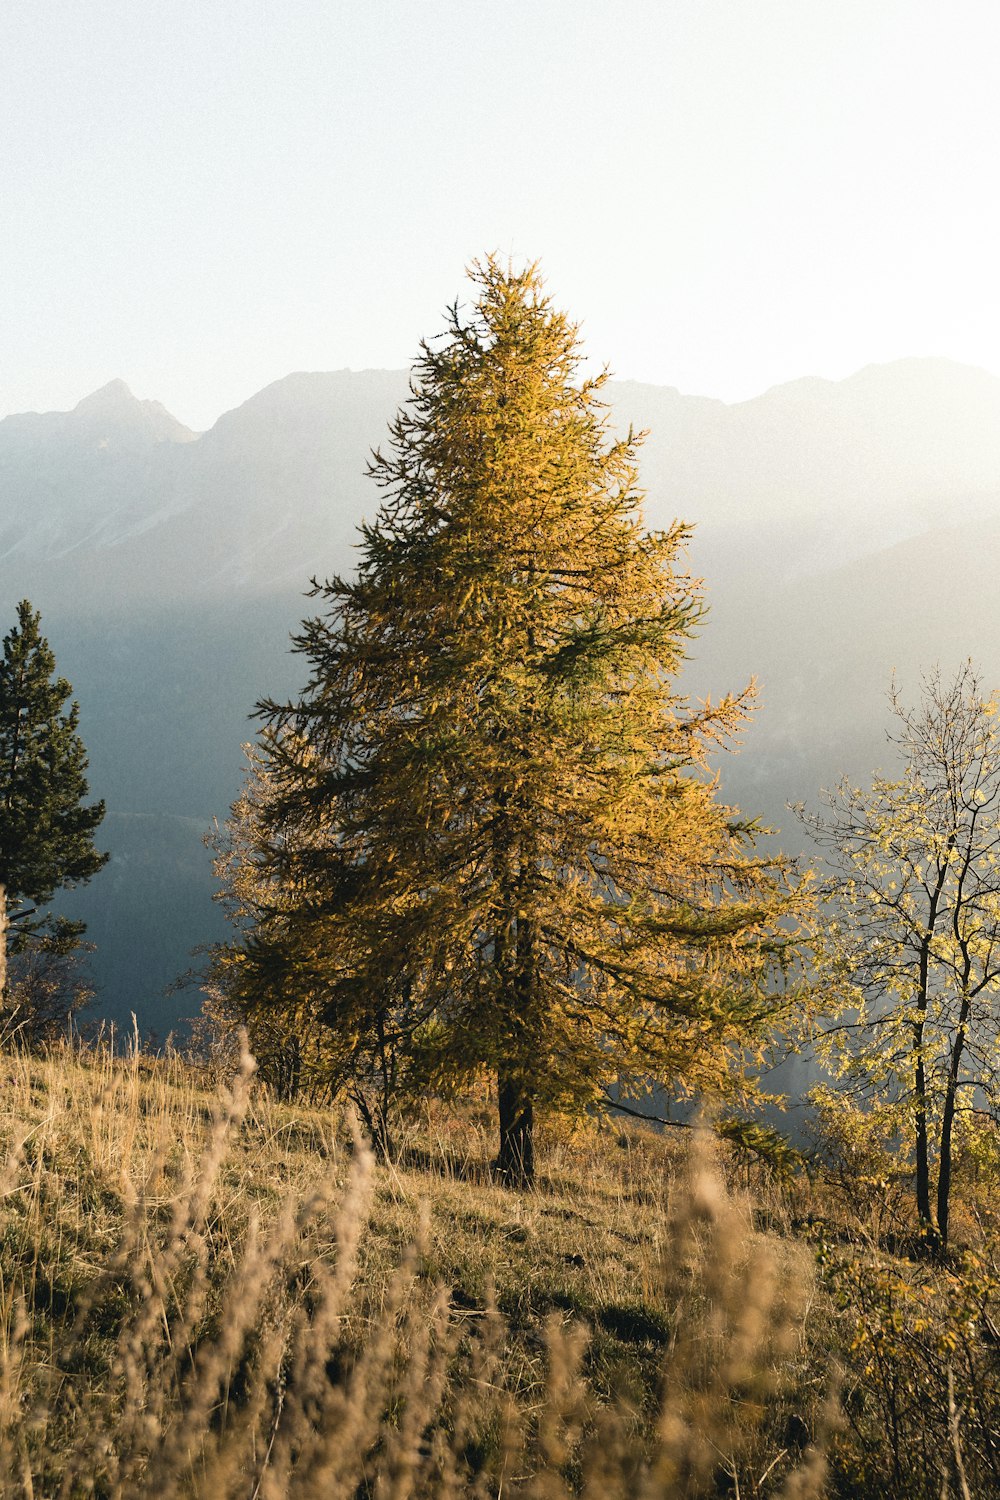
913	946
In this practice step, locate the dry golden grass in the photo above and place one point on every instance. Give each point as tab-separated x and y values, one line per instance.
207	1293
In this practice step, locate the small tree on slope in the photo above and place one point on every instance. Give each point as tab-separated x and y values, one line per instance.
46	828
912	944
490	831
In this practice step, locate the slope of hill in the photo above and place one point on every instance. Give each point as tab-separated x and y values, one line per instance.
170	568
215	1294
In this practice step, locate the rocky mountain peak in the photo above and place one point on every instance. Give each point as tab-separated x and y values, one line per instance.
115	396
113	415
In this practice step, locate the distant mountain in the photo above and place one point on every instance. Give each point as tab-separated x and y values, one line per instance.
87	478
110	420
809	474
843	528
817	472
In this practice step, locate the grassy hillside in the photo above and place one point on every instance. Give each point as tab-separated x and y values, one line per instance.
204	1292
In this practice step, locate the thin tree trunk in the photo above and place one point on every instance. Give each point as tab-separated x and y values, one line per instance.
516	1158
920	1073
514	1087
944	1170
3	945
375	1118
923	1151
947	1124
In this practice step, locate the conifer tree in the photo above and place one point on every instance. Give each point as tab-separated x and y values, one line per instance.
490	817
276	992
46	827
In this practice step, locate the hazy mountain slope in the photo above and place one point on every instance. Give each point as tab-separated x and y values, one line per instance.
272	493
170	569
816	472
808	474
85	478
824	650
165	699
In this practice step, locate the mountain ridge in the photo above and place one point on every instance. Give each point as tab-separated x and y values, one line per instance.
170	575
871	456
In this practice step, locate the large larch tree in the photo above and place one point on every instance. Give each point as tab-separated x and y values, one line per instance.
491	840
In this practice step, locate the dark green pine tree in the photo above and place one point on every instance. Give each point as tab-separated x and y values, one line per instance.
46	828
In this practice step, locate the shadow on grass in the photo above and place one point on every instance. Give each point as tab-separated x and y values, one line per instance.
455	1167
448	1164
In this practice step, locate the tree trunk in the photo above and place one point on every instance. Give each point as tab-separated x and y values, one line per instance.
375	1118
947	1124
944	1171
927	1226
3	945
516	1159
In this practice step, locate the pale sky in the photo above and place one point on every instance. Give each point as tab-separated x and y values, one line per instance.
201	196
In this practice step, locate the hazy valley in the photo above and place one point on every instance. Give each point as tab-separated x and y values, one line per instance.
843	530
